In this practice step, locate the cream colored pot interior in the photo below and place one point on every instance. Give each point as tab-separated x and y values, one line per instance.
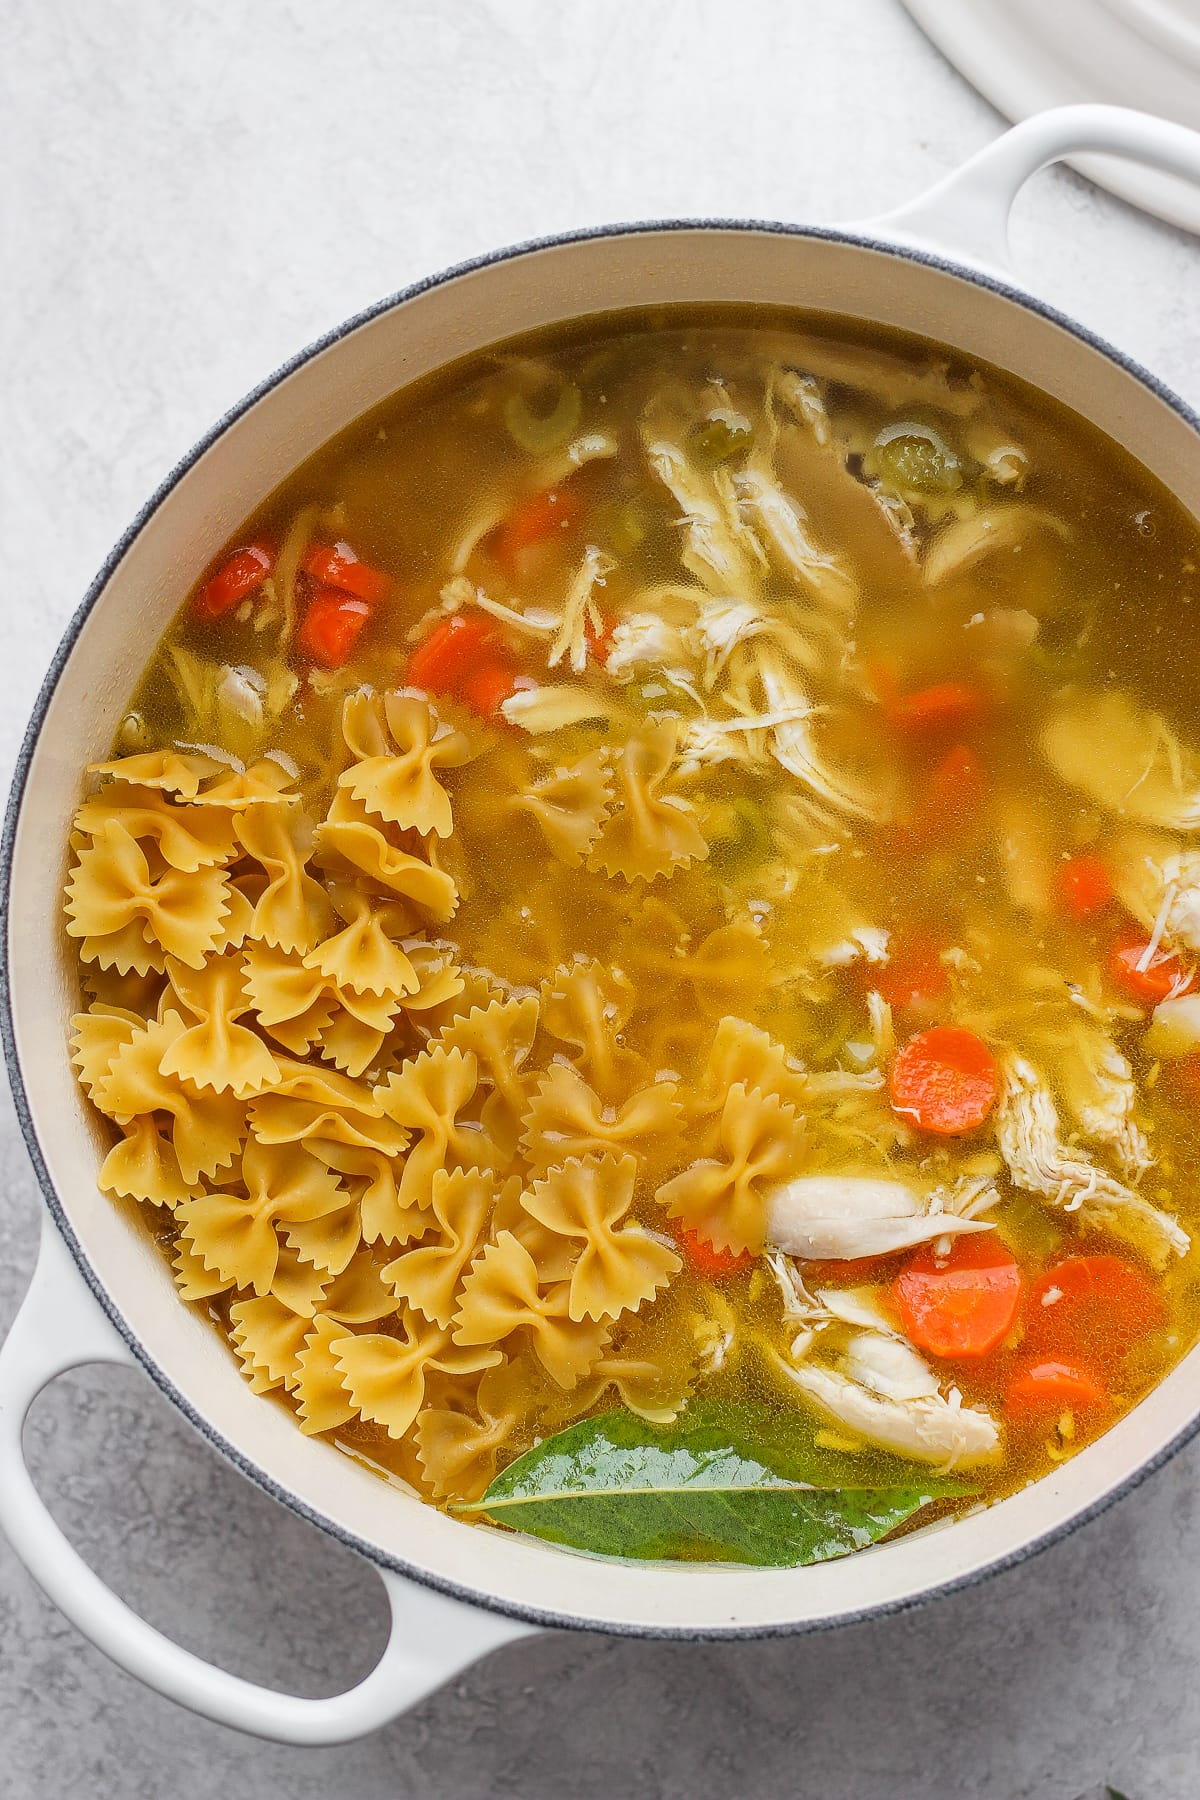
200	512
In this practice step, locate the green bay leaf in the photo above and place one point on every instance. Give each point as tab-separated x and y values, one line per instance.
617	1486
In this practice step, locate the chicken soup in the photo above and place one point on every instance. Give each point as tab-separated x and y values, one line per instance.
637	938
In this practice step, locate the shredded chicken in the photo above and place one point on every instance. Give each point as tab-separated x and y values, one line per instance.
1029	1138
786	529
873	1383
1156	878
579	611
963	544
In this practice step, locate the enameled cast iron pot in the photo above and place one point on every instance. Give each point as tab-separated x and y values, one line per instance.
103	1294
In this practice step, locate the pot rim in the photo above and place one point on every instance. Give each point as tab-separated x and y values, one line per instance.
856	237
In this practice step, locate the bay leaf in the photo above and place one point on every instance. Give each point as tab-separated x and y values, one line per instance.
615	1485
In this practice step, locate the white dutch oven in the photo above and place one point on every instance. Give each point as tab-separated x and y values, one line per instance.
103	1294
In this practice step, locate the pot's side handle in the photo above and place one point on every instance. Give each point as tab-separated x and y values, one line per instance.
966	213
432	1636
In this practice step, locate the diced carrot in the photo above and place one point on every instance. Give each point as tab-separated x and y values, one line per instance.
1082	885
238	576
487	686
944	1080
962	1304
331	627
912	976
337	565
956	786
951	800
943	710
708	1261
1091	1303
1162	974
443	660
1041	1388
534	520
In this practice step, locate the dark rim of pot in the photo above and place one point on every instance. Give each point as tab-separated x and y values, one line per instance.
246	1466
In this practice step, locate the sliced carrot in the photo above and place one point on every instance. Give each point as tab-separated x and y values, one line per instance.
533	521
455	646
1162	974
944	1080
1082	886
913	975
1052	1387
952	800
943	710
708	1261
963	1304
1094	1303
337	565
331	627
238	577
487	686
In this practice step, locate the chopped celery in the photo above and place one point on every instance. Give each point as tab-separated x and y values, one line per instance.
738	833
915	459
720	438
539	433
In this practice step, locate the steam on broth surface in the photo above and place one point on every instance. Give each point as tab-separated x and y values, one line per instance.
647	902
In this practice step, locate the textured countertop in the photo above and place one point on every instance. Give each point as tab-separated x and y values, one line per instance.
191	193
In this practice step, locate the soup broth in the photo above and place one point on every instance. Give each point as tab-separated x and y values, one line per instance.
637	938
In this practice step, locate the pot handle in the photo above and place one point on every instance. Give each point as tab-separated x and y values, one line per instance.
966	213
433	1636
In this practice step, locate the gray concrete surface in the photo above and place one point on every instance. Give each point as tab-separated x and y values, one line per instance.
190	193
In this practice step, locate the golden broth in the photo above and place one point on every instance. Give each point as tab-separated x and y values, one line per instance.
960	537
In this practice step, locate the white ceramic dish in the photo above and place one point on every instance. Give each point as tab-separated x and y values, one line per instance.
1025	55
102	1294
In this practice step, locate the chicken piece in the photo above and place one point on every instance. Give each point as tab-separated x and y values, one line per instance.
870	1381
962	545
841	1217
926	1427
1174	1027
1128	761
1158	881
795	748
1030	1141
1025	855
1097	1084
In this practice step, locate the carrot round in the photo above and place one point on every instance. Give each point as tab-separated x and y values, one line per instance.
960	1305
1082	886
944	1080
1091	1304
1053	1387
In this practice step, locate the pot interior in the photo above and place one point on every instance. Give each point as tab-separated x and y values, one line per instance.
79	712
